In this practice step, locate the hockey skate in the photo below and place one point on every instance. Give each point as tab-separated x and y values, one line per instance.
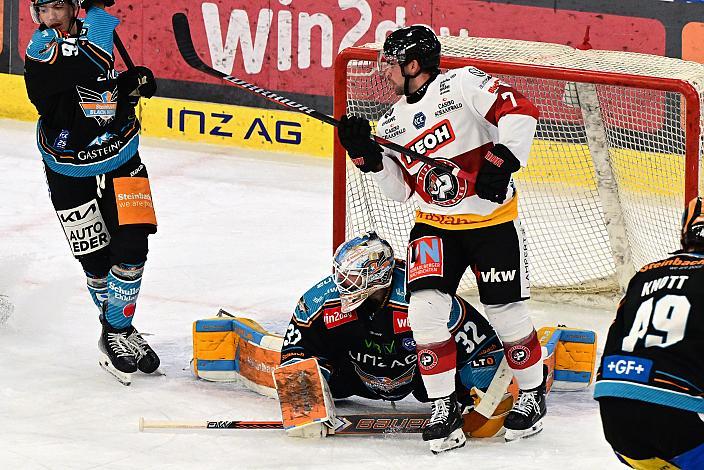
444	430
116	355
147	360
526	417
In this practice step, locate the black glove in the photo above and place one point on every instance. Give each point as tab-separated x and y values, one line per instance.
495	174
355	135
138	81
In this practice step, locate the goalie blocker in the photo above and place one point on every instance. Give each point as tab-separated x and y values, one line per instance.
228	348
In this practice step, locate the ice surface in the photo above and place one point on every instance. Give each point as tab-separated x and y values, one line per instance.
241	230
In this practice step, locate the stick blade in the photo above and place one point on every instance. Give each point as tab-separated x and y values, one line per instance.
184	42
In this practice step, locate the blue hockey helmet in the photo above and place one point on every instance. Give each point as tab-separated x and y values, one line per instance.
362	266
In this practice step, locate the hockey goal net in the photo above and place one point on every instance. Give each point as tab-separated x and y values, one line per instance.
616	155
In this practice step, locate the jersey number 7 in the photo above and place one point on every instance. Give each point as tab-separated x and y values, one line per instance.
668	316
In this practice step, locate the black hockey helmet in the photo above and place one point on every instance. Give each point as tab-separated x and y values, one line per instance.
693	226
413	42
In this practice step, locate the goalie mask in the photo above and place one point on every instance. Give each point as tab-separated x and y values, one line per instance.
362	266
693	227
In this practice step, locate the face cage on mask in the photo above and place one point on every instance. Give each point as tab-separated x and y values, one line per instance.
354	288
34	9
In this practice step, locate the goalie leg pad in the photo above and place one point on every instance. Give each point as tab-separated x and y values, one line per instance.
229	348
573	356
304	398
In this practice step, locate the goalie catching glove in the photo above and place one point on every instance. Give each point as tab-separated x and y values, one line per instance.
495	174
355	135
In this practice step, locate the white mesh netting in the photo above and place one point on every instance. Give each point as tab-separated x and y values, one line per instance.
582	224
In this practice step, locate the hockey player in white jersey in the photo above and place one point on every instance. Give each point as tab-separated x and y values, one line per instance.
471	120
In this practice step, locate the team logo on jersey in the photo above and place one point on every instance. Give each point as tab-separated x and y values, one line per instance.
444	188
99	106
419	120
409	344
385	385
334	317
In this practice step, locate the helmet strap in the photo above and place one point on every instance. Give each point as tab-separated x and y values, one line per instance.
407	79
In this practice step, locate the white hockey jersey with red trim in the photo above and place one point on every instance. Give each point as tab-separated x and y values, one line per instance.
462	115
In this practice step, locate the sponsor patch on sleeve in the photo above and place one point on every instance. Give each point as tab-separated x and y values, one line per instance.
133	197
632	368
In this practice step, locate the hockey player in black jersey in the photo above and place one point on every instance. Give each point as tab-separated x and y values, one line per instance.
650	384
88	137
355	323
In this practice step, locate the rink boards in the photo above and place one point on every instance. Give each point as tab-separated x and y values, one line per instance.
551	162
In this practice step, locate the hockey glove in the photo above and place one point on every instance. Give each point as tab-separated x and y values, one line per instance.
355	135
495	174
138	81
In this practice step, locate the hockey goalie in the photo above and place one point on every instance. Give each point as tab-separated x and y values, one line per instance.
349	336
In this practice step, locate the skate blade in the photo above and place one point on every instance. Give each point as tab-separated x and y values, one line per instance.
515	434
455	440
123	377
157	373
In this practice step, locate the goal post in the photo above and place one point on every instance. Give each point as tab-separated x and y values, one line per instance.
615	157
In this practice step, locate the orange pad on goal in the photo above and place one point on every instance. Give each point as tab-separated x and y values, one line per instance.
133	198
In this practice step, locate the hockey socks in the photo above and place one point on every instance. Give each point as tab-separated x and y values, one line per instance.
98	289
123	283
438	364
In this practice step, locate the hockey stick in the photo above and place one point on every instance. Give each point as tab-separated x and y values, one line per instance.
490	399
359	424
122	50
182	33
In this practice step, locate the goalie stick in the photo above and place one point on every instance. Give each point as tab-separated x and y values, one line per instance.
359	424
182	33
